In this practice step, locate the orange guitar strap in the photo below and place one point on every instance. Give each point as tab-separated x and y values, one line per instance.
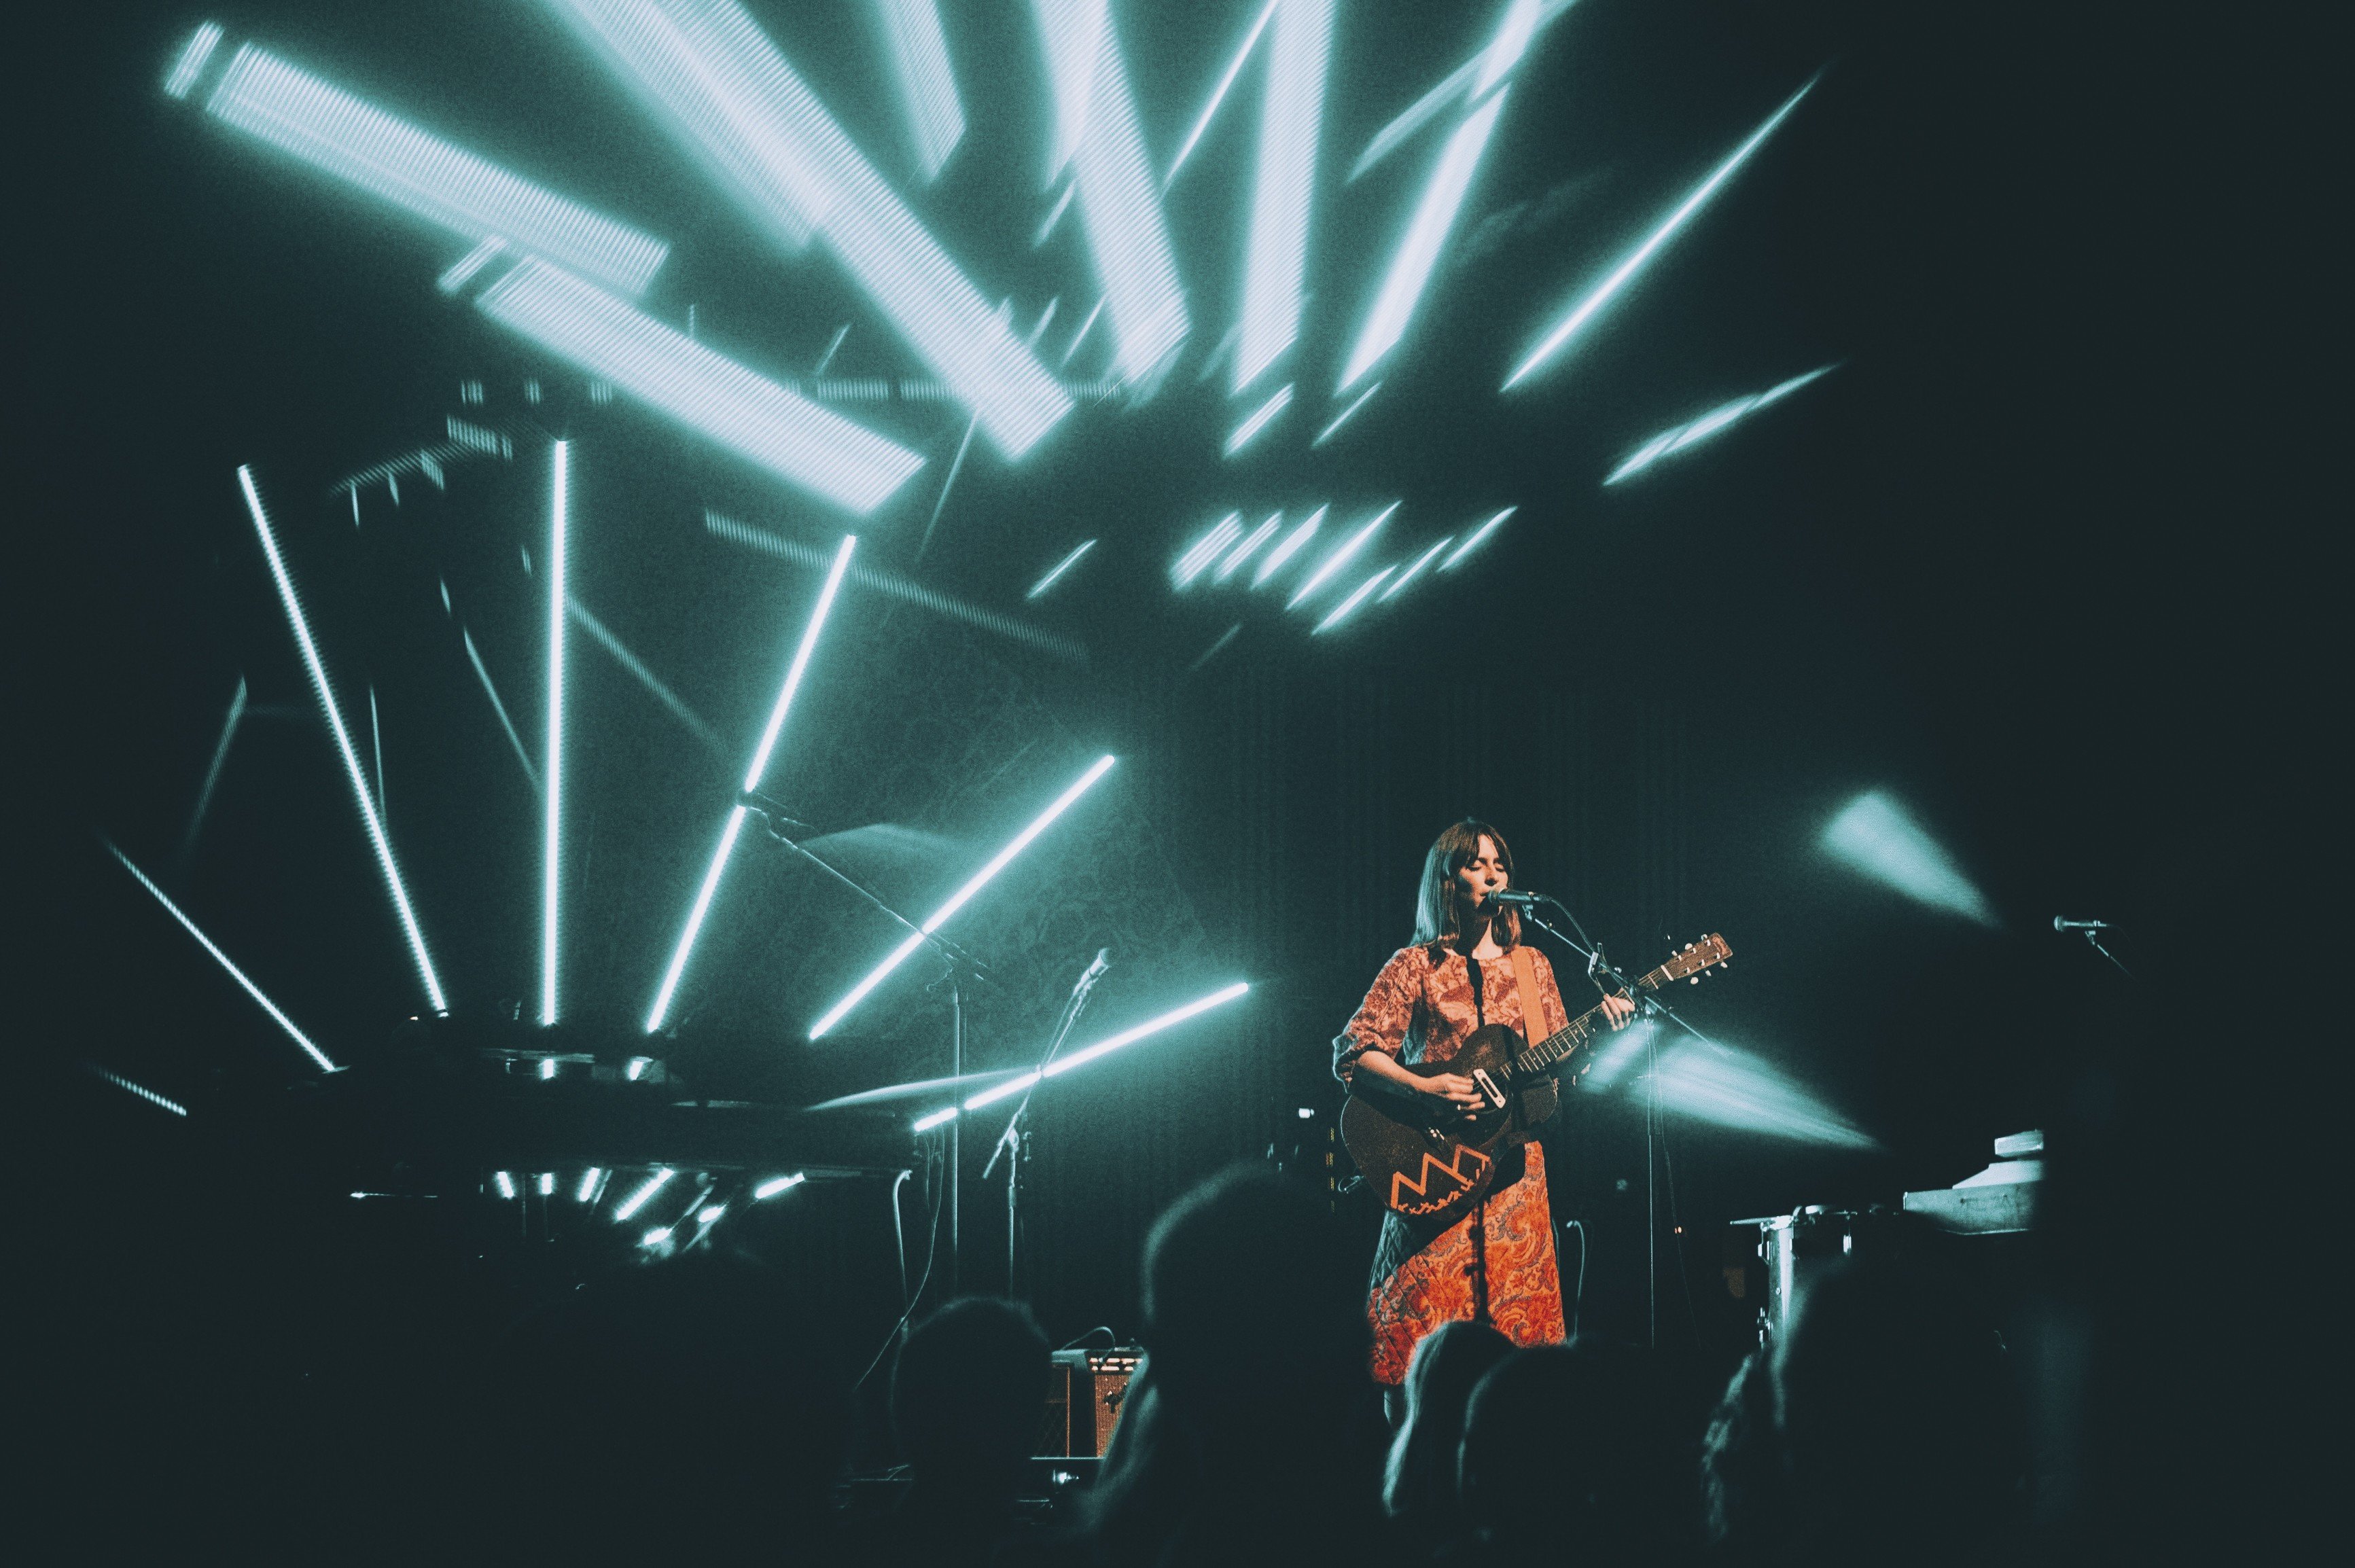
1539	1102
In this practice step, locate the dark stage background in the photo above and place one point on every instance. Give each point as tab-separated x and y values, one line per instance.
1978	567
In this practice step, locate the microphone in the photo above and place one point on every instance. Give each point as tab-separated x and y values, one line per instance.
1513	899
754	800
2063	923
1096	970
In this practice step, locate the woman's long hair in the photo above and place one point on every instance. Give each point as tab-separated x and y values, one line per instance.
1434	905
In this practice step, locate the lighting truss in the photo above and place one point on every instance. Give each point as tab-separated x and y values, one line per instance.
1063	1064
1482	532
718	85
552	837
753	776
351	139
1219	93
959	899
1339	557
1358	597
1119	206
318	673
1277	265
1420	562
1246	550
1060	567
1291	545
780	430
928	94
1619	276
1206	549
1684	435
1259	418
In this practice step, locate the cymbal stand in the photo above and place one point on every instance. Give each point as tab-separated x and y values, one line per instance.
1014	1142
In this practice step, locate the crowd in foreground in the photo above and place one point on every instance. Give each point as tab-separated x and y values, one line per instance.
1878	1429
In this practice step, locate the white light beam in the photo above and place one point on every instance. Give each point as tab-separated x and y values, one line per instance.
1291	545
1339	557
1485	529
1677	437
1443	198
928	94
297	1035
958	899
728	834
1259	419
1619	276
1357	598
552	836
1277	265
1060	567
318	672
1219	93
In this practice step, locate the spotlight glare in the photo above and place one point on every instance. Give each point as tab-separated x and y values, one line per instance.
297	1035
559	504
1060	567
1277	262
506	1182
938	1118
588	1187
781	431
1617	278
1120	208
547	1183
958	900
1246	550
1485	529
1004	1090
655	1237
709	1215
357	143
719	86
1353	601
1339	557
1291	547
643	1195
1420	562
768	1190
1458	84
1876	838
1682	436
1342	418
1443	198
547	1068
928	94
751	781
1204	550
318	672
1728	1088
1219	93
1259	419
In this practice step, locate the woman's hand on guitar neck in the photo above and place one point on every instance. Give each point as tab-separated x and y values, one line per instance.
1617	1008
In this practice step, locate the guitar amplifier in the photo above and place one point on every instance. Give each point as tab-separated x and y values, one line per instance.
1085	1391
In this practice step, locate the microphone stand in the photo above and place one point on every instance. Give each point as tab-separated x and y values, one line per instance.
1014	1143
1599	969
959	963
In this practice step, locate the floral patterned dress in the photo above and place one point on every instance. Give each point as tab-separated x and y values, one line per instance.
1423	1009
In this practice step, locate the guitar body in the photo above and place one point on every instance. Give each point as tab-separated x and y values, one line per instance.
1429	1163
1426	1162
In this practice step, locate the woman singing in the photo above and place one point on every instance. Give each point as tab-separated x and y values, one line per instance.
1497	1261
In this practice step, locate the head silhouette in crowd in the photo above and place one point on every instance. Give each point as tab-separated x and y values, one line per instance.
1419	1483
1572	1451
969	1404
1895	1418
686	1407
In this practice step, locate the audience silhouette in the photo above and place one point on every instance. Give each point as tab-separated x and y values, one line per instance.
1419	1483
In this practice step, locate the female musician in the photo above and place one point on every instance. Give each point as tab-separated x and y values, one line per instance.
1497	1263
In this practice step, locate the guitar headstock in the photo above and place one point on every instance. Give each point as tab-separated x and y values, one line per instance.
1696	959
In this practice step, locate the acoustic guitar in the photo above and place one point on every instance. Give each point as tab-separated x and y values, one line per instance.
1428	1163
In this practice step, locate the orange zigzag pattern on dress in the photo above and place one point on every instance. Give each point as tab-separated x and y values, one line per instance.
1432	1162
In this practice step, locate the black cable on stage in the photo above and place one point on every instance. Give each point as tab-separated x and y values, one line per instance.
932	1250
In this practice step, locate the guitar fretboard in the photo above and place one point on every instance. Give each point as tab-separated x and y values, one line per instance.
1557	1047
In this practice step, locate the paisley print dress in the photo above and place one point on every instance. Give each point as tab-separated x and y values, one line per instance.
1423	1009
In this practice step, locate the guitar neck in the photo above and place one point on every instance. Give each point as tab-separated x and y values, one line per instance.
1557	1047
